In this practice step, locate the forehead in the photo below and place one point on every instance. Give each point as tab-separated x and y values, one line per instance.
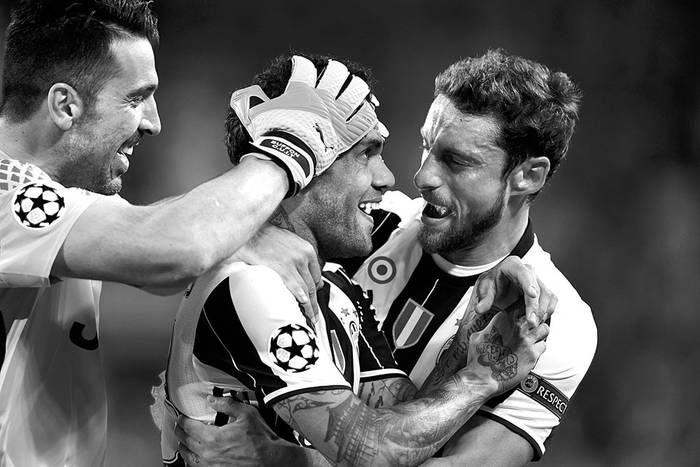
447	125
135	62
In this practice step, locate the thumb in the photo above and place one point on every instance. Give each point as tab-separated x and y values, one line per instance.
226	405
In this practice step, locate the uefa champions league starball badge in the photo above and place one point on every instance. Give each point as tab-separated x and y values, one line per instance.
293	348
38	205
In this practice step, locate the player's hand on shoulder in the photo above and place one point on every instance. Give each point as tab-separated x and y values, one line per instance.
290	256
505	351
245	440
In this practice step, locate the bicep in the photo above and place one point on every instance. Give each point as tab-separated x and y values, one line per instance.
482	441
113	240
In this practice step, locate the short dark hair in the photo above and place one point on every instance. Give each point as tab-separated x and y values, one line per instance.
536	109
274	81
51	41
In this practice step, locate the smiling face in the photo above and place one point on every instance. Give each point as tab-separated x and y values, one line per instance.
338	204
460	178
103	138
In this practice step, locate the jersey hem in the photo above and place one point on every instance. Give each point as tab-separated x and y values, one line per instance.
287	394
538	451
375	375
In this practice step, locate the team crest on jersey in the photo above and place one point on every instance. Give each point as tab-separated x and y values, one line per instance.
382	269
38	205
293	348
410	325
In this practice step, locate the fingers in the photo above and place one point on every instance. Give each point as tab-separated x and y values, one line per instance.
523	278
485	291
303	71
188	456
190	432
333	78
227	405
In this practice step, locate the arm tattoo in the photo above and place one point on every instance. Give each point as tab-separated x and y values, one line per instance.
387	392
348	432
500	358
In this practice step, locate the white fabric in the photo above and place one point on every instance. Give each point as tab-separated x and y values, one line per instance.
52	395
570	345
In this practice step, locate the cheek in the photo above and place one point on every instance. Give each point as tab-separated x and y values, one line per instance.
476	194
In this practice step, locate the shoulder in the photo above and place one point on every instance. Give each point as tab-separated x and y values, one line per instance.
573	332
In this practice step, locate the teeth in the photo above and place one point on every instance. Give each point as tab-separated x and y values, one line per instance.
433	210
368	207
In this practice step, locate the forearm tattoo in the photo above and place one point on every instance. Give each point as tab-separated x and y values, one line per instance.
456	356
355	434
386	393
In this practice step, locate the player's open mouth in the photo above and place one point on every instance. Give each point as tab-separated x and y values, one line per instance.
126	151
435	211
368	206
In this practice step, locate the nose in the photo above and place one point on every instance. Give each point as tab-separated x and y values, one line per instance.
150	122
382	178
427	178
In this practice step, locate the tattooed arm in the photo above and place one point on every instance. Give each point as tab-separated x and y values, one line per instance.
387	392
348	432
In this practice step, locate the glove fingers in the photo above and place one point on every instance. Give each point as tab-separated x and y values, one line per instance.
244	99
355	93
333	78
303	71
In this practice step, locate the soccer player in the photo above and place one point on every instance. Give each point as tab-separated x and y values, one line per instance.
495	133
78	83
239	330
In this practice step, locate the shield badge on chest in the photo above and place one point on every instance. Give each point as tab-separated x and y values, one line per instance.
410	325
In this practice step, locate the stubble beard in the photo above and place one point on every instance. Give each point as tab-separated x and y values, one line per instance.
464	236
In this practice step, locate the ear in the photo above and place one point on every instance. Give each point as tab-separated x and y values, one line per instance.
65	105
530	176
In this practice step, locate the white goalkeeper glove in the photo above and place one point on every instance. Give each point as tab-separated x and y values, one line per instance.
294	130
350	104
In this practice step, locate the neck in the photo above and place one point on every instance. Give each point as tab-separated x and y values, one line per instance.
494	244
29	142
286	217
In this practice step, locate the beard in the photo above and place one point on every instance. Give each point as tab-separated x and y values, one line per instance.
466	234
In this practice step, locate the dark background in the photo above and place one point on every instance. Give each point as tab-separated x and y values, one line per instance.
620	218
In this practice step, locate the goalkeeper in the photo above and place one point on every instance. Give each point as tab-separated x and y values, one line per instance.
78	95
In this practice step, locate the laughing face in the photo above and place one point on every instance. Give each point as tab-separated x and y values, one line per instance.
460	178
341	200
104	138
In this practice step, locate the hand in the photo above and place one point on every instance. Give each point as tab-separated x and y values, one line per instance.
245	440
351	106
290	256
505	351
505	283
294	129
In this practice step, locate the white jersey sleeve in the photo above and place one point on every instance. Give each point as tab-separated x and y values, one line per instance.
538	404
271	345
35	219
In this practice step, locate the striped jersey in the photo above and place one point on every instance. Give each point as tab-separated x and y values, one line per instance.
420	298
53	408
240	330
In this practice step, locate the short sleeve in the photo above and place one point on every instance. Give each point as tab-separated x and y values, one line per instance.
538	404
35	219
269	345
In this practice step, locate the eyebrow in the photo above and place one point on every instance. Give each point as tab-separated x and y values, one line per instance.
146	90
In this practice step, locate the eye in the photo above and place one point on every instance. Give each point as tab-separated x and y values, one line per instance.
135	101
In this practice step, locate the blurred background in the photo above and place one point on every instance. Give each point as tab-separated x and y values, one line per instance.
620	218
